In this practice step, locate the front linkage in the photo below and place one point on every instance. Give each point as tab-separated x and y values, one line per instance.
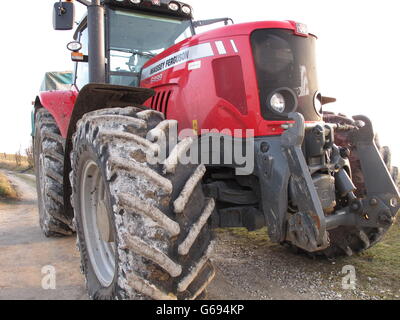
306	189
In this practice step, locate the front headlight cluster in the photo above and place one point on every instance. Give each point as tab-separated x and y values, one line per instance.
175	6
278	102
282	101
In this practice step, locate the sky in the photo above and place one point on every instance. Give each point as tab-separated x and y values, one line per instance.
358	56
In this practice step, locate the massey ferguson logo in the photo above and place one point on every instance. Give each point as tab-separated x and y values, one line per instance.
196	52
156	2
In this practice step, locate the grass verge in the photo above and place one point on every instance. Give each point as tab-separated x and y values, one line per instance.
381	263
7	191
8	162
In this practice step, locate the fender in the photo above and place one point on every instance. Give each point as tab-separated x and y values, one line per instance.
60	104
94	97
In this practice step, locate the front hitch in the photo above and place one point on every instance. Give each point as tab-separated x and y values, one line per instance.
307	227
381	204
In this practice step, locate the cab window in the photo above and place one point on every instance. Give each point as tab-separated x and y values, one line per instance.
82	68
135	38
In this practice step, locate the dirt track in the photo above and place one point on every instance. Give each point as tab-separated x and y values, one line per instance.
24	251
247	268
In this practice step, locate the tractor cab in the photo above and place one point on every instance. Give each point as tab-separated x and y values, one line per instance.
135	31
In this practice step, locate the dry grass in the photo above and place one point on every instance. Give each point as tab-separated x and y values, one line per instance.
10	162
382	262
7	191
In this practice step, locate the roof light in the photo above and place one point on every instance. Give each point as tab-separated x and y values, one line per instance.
136	1
173	6
186	10
302	28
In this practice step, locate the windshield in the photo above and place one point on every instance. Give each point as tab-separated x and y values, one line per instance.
285	60
134	38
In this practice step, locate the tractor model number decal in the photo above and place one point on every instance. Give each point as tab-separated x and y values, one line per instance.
200	51
156	78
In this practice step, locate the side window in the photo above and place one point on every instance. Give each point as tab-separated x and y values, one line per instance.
82	69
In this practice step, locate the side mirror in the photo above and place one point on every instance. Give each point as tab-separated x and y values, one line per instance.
63	16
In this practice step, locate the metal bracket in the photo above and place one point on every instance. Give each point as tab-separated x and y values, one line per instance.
378	181
307	229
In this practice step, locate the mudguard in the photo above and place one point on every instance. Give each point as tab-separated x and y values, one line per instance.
94	97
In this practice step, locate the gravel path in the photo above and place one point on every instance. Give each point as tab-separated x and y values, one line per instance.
24	251
248	271
247	268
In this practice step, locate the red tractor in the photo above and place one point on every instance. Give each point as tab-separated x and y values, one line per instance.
109	162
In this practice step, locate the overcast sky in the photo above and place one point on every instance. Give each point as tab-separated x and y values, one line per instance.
358	55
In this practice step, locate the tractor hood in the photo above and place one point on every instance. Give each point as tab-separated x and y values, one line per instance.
251	64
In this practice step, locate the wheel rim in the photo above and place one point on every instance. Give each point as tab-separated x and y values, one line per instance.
97	227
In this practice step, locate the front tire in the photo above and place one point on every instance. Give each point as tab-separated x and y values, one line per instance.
143	229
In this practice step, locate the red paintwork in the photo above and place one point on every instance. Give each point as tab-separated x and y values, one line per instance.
193	93
60	104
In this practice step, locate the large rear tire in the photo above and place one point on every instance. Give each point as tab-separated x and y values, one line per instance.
143	229
49	168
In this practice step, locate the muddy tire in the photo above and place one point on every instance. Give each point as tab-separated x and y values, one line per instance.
351	240
143	229
49	166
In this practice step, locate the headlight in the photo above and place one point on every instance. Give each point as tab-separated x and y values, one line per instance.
186	10
173	6
278	102
318	103
282	101
136	1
